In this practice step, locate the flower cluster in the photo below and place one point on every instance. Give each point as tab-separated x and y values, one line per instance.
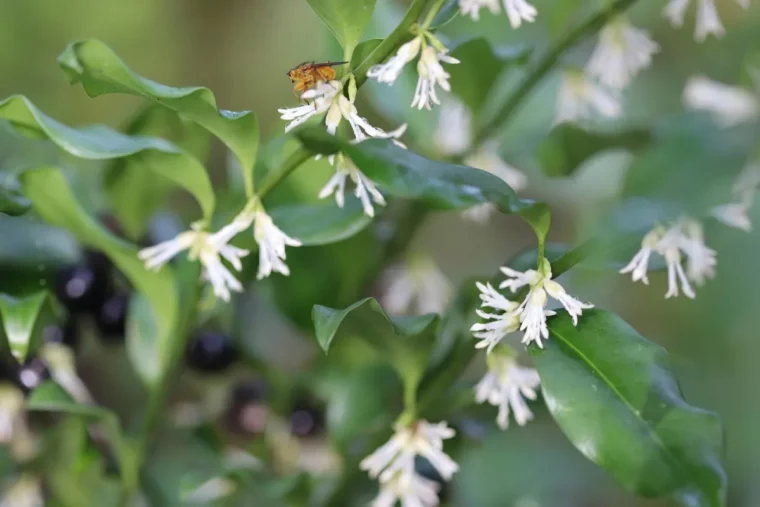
430	72
393	464
517	10
416	286
211	248
364	188
729	105
530	314
707	23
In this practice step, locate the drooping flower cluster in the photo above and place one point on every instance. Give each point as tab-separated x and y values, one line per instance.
580	98
729	105
364	188
529	315
707	23
416	286
505	385
210	249
735	213
393	464
327	98
517	10
453	136
430	71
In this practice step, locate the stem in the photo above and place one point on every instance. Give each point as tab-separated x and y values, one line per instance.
399	35
292	163
547	63
573	257
432	13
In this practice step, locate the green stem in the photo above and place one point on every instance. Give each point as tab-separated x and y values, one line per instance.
573	257
432	13
542	68
292	163
401	34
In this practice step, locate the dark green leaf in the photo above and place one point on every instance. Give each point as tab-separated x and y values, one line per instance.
53	200
11	202
99	142
569	145
323	223
346	19
403	173
613	394
126	178
363	50
23	319
101	71
35	246
407	340
479	69
446	14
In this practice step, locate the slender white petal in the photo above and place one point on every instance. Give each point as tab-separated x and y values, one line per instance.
389	71
431	75
729	105
506	385
669	247
623	51
708	22
472	7
581	99
675	11
640	262
733	215
519	11
700	260
364	188
272	242
573	306
411	490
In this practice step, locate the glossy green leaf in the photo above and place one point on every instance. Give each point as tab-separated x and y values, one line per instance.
569	145
322	223
479	69
346	19
98	142
101	71
53	200
613	394
448	12
403	173
11	202
406	340
363	50
23	319
35	246
125	178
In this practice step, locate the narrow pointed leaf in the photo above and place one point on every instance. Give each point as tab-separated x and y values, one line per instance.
407	340
98	142
101	71
613	394
346	19
473	79
23	319
403	173
54	201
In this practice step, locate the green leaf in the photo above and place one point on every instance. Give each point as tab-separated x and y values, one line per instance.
323	223
53	200
346	19
403	173
101	71
99	142
569	145
613	394
363	50
479	69
11	202
126	178
23	320
406	340
446	14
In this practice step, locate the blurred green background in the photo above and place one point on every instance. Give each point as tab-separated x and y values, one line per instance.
242	49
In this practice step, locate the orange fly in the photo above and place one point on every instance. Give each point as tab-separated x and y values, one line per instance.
308	74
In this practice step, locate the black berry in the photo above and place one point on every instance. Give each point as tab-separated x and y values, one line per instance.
111	319
307	417
66	333
249	411
211	352
82	288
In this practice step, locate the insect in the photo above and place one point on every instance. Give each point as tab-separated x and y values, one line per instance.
308	74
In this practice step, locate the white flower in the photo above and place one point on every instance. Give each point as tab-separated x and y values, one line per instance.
431	74
396	457
505	385
730	105
364	188
622	52
271	240
700	260
411	490
60	360
532	310
580	98
733	215
11	412
472	7
416	286
708	22
25	492
327	97
639	265
389	71
453	131
669	247
517	10
212	490
501	324
209	249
